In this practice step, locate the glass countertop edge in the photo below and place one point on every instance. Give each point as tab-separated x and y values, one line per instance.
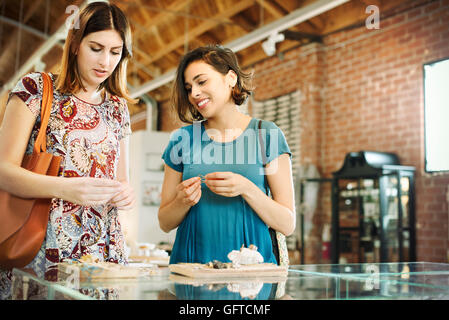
71	292
54	285
367	274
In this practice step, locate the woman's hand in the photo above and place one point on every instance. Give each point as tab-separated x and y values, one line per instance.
125	199
189	191
227	184
177	198
89	191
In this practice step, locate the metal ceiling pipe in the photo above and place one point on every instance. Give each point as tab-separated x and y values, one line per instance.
290	20
29	64
24	27
37	55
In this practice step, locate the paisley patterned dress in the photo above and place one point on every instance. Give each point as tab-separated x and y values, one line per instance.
87	137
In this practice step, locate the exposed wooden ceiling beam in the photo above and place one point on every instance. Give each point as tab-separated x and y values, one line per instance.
41	51
292	19
154	72
32	10
303	3
11	42
315	23
290	5
278	12
272	8
371	2
352	13
144	13
243	23
160	17
258	55
200	29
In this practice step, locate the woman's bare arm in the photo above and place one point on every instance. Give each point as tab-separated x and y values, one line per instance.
15	132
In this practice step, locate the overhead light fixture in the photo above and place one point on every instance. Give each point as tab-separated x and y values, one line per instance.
269	45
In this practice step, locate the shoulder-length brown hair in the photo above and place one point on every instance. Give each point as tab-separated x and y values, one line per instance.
223	60
97	16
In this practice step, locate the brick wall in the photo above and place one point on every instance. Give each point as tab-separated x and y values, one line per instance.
300	69
374	101
363	90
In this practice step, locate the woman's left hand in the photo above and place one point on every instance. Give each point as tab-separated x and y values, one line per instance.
227	184
125	199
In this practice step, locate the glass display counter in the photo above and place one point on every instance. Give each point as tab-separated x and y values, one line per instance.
367	269
408	280
336	282
27	286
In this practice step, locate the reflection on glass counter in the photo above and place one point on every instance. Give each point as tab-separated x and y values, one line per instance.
390	281
367	269
236	289
409	280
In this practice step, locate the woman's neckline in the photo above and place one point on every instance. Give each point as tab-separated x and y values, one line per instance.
105	96
92	104
204	131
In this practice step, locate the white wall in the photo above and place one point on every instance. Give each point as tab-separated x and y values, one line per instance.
141	224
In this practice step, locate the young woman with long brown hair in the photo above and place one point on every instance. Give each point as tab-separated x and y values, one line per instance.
88	127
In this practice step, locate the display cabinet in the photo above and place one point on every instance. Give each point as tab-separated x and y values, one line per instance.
373	210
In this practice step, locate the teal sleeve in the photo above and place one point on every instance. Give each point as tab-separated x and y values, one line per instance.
276	144
173	154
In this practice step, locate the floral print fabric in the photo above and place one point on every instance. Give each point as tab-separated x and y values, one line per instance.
87	137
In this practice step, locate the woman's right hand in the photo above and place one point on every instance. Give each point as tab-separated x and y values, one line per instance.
189	191
89	191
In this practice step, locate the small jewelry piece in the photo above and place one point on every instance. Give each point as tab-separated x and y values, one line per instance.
202	177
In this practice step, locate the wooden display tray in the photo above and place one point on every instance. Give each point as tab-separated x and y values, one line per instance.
102	271
160	261
178	278
202	271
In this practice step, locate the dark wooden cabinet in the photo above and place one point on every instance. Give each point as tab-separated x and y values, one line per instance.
373	209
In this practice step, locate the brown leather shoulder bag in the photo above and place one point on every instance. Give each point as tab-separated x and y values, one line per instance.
23	222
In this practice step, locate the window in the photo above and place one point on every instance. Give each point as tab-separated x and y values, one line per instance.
436	115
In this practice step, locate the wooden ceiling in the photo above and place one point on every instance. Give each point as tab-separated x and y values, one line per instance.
163	30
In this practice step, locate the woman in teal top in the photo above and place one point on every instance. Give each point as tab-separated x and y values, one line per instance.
213	189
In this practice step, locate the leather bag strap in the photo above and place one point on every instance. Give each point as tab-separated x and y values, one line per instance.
40	144
264	156
273	233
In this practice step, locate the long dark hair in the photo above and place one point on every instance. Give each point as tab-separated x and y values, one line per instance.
223	60
96	16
